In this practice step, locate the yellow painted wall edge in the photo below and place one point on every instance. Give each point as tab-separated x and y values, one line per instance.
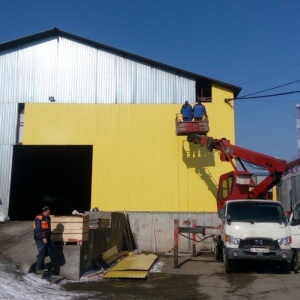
139	164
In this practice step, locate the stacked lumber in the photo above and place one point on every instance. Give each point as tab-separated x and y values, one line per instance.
104	223
70	228
99	219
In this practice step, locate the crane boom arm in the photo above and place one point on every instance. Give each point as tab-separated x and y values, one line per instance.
272	164
235	183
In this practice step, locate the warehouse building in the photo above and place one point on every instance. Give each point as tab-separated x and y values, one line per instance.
85	125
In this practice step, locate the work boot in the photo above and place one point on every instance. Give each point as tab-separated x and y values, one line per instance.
39	272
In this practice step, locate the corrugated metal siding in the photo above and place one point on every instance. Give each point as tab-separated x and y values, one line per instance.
26	74
295	189
75	73
8	125
5	171
284	193
123	81
135	262
139	164
289	191
133	266
126	274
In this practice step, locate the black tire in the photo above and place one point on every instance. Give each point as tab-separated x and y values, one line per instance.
285	267
219	253
228	264
295	262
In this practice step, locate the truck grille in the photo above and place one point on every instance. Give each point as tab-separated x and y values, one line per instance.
258	243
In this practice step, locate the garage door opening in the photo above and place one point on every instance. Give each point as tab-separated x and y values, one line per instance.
57	176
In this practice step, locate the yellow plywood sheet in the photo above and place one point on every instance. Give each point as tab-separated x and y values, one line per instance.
126	274
135	262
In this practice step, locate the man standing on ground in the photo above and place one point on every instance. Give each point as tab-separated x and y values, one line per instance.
42	236
199	111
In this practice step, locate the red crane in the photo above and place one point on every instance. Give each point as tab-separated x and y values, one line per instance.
237	184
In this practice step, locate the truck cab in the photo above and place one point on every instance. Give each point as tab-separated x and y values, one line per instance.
254	230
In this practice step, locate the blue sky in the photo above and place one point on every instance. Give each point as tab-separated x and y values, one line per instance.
253	44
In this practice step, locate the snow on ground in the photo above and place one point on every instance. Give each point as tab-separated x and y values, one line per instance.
157	268
16	286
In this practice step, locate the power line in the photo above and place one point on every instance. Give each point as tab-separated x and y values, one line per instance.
277	72
263	96
273	88
271	95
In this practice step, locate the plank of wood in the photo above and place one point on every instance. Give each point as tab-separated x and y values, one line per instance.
64	237
77	231
60	226
69	219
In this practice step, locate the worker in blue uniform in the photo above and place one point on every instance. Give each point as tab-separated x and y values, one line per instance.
187	111
199	111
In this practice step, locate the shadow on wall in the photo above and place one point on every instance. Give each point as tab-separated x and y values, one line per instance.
199	158
58	258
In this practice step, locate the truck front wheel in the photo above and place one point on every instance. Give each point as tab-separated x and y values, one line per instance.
218	252
228	263
295	261
285	267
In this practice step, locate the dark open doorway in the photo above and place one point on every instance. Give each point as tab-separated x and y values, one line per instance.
57	176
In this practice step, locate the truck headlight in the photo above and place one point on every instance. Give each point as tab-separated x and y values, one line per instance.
284	241
232	240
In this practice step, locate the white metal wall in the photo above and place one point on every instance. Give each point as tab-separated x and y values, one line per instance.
72	72
76	73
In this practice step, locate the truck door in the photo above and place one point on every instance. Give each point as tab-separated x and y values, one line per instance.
295	229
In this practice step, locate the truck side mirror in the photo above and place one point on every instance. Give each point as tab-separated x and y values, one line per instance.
296	214
228	218
221	213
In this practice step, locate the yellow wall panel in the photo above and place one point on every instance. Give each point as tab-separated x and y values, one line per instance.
139	164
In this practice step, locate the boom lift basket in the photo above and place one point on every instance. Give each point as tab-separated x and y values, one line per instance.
190	127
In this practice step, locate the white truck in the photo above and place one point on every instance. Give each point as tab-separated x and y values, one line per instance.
255	230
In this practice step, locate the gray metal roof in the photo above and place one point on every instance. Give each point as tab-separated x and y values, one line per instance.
57	32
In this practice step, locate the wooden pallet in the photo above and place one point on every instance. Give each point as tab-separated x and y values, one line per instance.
70	229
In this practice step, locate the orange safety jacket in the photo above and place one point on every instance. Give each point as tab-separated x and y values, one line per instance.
42	227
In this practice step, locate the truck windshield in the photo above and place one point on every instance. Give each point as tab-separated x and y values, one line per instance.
256	212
